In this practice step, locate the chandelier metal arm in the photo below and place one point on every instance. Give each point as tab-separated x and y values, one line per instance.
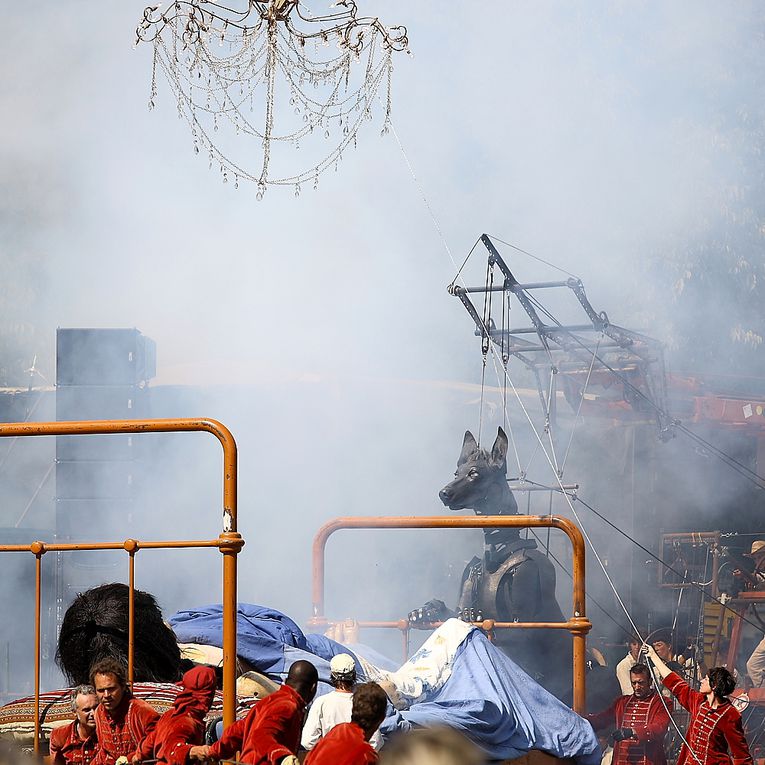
216	58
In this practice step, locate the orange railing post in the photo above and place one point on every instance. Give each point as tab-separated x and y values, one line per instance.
38	549
579	625
229	542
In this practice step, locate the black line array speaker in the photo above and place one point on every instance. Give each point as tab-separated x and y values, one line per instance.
101	374
100	402
104	357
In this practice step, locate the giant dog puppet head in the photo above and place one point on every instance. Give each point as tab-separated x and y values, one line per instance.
480	482
95	627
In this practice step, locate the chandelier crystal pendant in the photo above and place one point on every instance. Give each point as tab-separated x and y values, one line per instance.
297	85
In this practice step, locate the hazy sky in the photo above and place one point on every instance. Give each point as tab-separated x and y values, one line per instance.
582	132
578	132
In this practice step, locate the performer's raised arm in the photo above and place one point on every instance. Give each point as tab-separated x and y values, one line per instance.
649	652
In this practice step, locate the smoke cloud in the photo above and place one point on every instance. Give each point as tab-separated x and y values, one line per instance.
602	138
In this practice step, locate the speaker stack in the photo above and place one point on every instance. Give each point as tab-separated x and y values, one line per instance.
101	374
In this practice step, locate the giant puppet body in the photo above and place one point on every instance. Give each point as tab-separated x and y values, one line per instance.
513	581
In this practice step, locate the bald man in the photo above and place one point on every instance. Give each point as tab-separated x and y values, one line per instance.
270	734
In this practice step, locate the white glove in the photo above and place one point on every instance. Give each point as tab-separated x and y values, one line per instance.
648	651
290	759
122	760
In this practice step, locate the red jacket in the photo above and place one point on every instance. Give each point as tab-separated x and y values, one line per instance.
183	726
711	733
123	732
270	731
67	748
345	744
648	718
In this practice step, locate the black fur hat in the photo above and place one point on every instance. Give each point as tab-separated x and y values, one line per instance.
664	635
95	627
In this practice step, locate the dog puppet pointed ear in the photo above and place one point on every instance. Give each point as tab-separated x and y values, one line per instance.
499	450
469	447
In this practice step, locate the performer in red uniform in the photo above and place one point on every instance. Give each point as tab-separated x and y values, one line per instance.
641	721
122	721
183	726
348	743
271	731
715	735
75	744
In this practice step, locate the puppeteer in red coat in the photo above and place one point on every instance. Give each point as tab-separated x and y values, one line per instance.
715	734
183	726
345	744
270	732
122	730
67	747
641	721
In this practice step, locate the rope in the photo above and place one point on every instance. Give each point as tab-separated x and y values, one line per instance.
504	330
480	406
427	204
538	259
600	562
523	408
579	407
448	250
733	463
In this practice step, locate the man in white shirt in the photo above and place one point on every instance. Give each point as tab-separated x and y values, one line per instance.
335	707
626	664
755	664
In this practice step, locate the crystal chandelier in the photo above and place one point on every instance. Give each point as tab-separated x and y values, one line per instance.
273	73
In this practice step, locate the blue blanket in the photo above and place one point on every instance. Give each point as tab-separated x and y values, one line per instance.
487	696
496	704
265	638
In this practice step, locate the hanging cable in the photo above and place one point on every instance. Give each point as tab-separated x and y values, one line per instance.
589	541
621	603
534	257
739	467
485	338
485	329
552	464
579	406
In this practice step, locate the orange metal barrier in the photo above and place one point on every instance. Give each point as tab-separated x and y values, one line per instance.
229	542
579	625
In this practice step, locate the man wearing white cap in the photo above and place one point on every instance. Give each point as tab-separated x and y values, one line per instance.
335	707
755	664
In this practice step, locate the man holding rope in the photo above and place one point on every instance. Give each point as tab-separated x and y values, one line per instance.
641	721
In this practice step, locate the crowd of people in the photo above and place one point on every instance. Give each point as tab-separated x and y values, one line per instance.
289	726
652	680
113	727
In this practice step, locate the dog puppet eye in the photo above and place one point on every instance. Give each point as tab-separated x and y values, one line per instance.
473	474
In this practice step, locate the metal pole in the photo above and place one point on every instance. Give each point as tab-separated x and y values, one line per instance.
38	548
230	543
131	546
578	625
232	540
